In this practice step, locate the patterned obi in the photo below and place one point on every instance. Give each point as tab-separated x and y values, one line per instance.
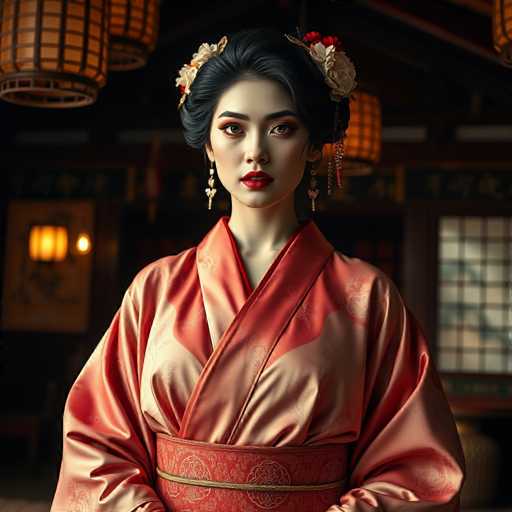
194	476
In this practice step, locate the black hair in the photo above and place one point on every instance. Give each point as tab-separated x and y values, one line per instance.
264	53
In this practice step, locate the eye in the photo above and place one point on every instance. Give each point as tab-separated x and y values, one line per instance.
288	131
226	126
281	129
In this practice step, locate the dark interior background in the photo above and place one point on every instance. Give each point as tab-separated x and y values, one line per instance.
432	66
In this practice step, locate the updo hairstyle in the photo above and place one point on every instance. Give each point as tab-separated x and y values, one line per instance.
263	53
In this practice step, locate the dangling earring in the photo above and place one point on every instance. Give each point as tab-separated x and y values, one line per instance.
336	154
329	177
313	190
339	151
210	192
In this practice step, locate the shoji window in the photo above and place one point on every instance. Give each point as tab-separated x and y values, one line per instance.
475	294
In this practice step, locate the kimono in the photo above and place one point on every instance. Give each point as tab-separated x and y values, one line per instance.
322	353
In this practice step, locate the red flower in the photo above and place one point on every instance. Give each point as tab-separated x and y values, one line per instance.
334	40
312	37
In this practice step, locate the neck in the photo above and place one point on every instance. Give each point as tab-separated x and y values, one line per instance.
260	231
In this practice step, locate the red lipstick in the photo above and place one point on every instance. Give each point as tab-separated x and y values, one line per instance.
256	180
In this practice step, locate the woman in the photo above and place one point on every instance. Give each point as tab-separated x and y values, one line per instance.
261	369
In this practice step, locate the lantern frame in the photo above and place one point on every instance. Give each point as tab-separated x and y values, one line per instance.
39	236
133	33
502	30
363	137
53	54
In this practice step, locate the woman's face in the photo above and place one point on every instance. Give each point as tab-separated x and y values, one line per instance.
255	127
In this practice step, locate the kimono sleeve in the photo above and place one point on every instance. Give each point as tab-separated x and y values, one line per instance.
408	455
108	448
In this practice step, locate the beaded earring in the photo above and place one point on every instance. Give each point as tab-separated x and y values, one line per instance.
210	191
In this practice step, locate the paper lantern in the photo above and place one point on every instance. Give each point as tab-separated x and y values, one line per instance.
53	53
363	139
48	243
133	32
502	29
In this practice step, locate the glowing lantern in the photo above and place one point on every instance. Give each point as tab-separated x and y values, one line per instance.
53	53
502	29
133	32
48	243
363	139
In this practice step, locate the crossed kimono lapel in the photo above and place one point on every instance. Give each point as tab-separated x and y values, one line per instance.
245	325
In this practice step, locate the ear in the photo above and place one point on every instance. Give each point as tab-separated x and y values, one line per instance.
314	154
209	152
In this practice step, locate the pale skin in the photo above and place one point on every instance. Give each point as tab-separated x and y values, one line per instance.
261	221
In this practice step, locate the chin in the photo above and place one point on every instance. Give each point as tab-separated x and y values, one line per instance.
259	202
263	201
269	196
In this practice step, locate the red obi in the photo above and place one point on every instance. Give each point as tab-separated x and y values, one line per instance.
198	476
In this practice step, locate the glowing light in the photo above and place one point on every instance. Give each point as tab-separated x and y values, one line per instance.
48	243
83	243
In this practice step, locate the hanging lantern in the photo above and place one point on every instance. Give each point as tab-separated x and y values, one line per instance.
53	53
363	138
133	32
502	29
48	243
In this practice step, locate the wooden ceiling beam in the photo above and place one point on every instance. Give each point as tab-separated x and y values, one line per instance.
479	6
388	9
441	63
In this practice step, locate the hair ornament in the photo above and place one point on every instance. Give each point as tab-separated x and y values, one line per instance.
327	53
188	72
337	68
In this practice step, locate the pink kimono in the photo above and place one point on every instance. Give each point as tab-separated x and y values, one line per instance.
319	377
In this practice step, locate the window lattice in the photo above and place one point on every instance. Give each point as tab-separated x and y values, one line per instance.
475	294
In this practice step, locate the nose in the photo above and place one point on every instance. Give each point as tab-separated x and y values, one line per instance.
256	148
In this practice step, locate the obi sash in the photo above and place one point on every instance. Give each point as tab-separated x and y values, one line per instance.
198	476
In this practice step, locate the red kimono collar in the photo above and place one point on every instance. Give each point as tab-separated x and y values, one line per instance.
244	323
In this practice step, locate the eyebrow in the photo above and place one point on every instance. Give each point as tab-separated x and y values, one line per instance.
273	115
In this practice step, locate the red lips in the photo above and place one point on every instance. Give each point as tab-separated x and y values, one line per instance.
257	174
